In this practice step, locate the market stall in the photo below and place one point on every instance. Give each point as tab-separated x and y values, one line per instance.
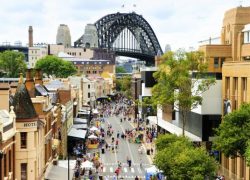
92	142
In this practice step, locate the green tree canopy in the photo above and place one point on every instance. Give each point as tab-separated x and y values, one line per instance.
179	159
233	134
120	69
181	81
52	65
12	63
124	86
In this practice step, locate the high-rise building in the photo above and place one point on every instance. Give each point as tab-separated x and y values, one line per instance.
63	35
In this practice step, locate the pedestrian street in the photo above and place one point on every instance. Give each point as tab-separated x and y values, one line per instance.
126	150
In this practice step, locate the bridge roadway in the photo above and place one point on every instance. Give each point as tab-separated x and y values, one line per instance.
126	149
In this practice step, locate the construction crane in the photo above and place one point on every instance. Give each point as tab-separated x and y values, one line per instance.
209	40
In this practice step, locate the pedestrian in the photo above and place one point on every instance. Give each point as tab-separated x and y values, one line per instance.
101	167
136	178
118	135
119	164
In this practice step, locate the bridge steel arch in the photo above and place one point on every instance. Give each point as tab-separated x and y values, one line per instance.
111	26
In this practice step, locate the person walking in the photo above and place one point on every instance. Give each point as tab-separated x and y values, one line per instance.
136	178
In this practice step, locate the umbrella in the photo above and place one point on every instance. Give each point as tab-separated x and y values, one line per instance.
94	129
92	137
87	164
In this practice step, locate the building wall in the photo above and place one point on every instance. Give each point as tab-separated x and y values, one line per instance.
77	52
7	144
33	154
36	53
235	74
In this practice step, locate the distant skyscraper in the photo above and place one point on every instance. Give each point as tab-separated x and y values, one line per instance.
63	35
167	48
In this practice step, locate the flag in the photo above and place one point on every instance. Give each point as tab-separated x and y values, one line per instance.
123	6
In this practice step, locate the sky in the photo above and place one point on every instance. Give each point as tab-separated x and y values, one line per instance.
179	23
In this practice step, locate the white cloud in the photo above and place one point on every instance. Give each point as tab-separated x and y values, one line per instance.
179	23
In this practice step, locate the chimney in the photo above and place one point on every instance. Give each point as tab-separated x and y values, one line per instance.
29	83
38	77
5	95
30	36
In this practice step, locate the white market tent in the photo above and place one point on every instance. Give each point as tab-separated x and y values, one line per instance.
92	137
94	129
87	164
152	169
95	111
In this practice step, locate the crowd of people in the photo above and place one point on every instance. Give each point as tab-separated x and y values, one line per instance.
110	139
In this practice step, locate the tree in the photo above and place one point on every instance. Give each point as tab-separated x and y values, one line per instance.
179	159
12	63
52	65
120	69
124	85
181	81
233	134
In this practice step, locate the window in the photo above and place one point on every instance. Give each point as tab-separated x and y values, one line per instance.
88	95
216	62
89	86
80	54
227	88
244	89
10	161
23	171
222	60
5	164
247	37
23	140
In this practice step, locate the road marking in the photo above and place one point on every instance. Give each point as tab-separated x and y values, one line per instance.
111	169
129	149
125	170
132	170
104	169
139	170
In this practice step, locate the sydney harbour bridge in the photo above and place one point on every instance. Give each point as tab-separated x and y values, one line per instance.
126	34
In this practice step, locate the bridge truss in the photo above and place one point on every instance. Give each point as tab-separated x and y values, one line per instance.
127	34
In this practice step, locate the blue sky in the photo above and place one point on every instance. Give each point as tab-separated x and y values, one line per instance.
179	23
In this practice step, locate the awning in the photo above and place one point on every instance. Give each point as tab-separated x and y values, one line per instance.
103	98
77	133
80	121
173	129
80	126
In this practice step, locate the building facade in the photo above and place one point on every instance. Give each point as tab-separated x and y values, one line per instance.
231	57
7	144
36	53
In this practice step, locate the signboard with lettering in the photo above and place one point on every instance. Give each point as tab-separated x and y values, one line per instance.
30	125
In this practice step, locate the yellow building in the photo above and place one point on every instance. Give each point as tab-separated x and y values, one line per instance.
232	58
29	136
